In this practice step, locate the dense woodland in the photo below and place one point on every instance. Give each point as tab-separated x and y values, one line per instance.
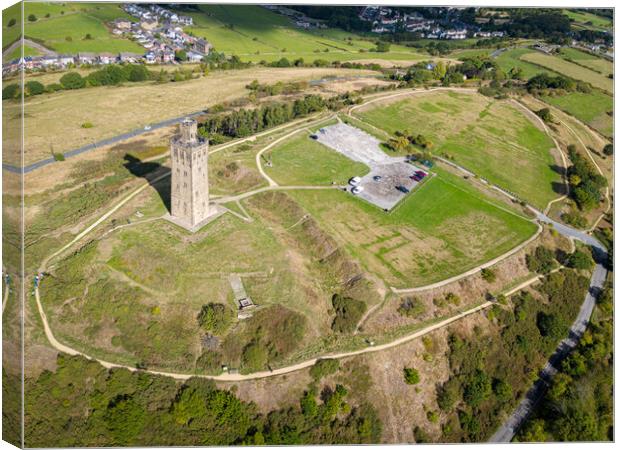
579	403
83	404
493	368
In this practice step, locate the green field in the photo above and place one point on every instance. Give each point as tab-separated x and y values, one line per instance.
512	58
582	19
255	33
571	70
592	108
595	63
440	230
491	138
67	25
17	53
66	33
303	161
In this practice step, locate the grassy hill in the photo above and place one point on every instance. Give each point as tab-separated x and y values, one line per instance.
255	33
63	27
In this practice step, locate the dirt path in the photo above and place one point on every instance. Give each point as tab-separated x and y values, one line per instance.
29	43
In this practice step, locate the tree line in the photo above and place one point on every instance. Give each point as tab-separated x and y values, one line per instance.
83	404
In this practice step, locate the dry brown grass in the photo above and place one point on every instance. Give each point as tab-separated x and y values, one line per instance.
53	121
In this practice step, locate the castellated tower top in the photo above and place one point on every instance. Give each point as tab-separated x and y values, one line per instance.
189	132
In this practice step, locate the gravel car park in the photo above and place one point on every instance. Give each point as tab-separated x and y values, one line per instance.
390	178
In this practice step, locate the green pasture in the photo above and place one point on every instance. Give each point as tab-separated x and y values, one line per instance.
592	108
595	63
493	139
571	70
513	58
443	228
588	20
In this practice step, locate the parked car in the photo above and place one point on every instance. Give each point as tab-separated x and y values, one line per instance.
421	173
377	178
355	181
357	189
416	177
147	127
402	189
314	136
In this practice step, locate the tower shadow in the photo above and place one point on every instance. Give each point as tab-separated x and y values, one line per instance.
150	170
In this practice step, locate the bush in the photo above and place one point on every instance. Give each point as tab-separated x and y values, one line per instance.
10	91
72	80
53	87
608	149
411	307
575	219
580	260
324	367
348	313
541	261
87	125
11	23
59	157
215	317
545	115
488	275
254	357
32	18
412	376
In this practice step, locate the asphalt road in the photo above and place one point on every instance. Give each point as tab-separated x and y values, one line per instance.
509	428
136	132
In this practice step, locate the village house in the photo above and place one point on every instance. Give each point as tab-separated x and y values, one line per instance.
106	58
127	57
202	46
86	58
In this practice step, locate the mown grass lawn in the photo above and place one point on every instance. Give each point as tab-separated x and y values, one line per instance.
493	139
441	229
303	161
590	108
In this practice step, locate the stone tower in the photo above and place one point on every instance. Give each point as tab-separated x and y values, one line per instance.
190	176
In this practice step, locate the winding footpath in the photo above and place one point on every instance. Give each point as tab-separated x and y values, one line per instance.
504	434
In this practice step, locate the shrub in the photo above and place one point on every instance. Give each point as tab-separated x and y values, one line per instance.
87	125
541	261
210	362
11	23
348	313
411	307
575	219
580	260
215	317
53	87
324	367
477	388
488	275
10	91
432	416
545	115
72	80
412	376
254	357
59	157
421	436
32	18
608	149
